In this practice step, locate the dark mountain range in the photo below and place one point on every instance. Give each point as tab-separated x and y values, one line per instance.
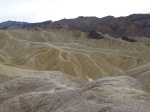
36	25
132	25
135	25
85	24
15	24
11	24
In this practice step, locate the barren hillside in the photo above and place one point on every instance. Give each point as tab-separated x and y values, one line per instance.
62	70
71	52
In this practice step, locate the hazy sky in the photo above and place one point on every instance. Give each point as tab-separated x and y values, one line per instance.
42	10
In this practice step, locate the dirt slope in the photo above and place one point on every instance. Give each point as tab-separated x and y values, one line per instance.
53	92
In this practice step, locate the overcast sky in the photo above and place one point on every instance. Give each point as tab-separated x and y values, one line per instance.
42	10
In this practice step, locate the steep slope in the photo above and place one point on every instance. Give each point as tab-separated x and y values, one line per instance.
142	74
71	52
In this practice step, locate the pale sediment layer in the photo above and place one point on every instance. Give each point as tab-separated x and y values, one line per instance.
70	52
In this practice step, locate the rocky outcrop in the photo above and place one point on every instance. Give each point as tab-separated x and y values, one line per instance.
51	93
95	35
128	39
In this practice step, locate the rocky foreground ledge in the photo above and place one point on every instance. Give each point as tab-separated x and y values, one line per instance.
54	92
